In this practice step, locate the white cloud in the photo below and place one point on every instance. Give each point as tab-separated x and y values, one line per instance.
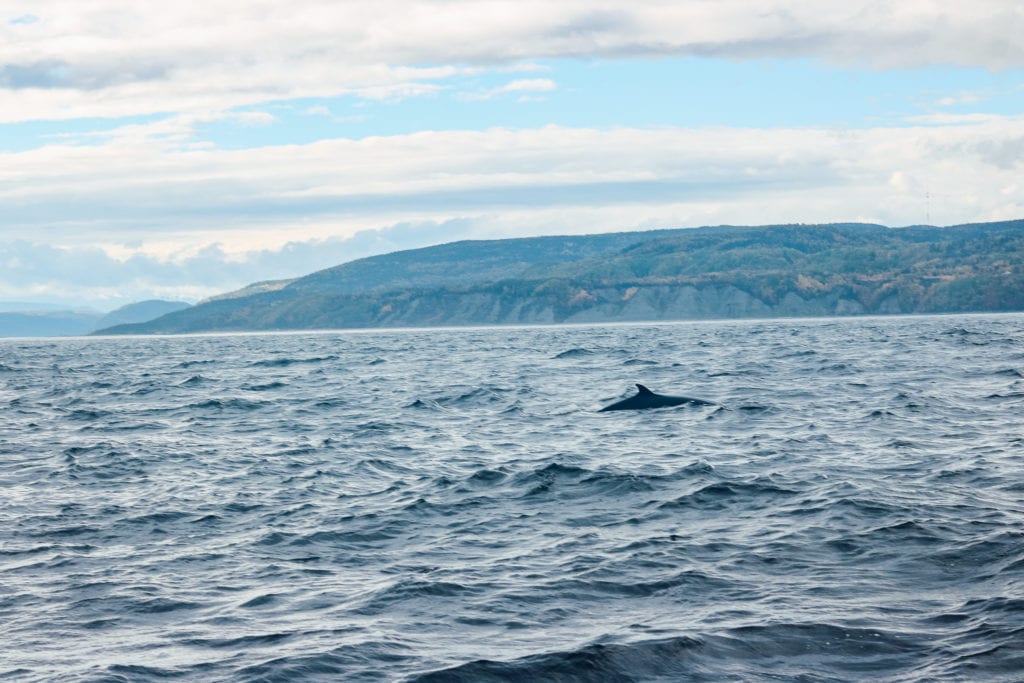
944	119
254	118
398	91
115	57
321	110
965	97
522	85
146	183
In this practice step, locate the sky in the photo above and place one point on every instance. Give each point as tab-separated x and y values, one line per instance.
179	150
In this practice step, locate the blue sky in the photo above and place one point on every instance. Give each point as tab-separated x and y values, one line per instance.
598	93
184	152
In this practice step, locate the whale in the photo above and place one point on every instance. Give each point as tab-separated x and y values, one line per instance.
645	398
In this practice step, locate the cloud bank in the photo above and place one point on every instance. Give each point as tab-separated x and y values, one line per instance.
136	183
92	277
116	58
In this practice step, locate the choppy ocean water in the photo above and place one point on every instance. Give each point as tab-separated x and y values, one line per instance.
447	505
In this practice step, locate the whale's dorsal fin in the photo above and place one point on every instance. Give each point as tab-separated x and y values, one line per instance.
643	391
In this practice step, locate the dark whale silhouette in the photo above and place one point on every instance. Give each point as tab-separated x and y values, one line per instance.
645	398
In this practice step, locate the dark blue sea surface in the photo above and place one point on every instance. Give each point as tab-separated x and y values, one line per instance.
447	505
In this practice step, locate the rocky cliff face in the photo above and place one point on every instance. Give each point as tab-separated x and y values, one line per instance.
608	304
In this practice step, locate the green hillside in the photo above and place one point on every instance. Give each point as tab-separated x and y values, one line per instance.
715	272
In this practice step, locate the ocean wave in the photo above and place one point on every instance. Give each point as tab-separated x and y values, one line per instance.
269	386
573	353
459	512
668	659
238	404
285	362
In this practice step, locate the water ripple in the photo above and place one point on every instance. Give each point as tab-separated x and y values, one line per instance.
447	505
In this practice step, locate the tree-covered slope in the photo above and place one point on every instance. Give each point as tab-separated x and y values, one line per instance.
467	262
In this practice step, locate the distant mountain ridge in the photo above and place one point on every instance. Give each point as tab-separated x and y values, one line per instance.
140	312
712	272
47	323
49	320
